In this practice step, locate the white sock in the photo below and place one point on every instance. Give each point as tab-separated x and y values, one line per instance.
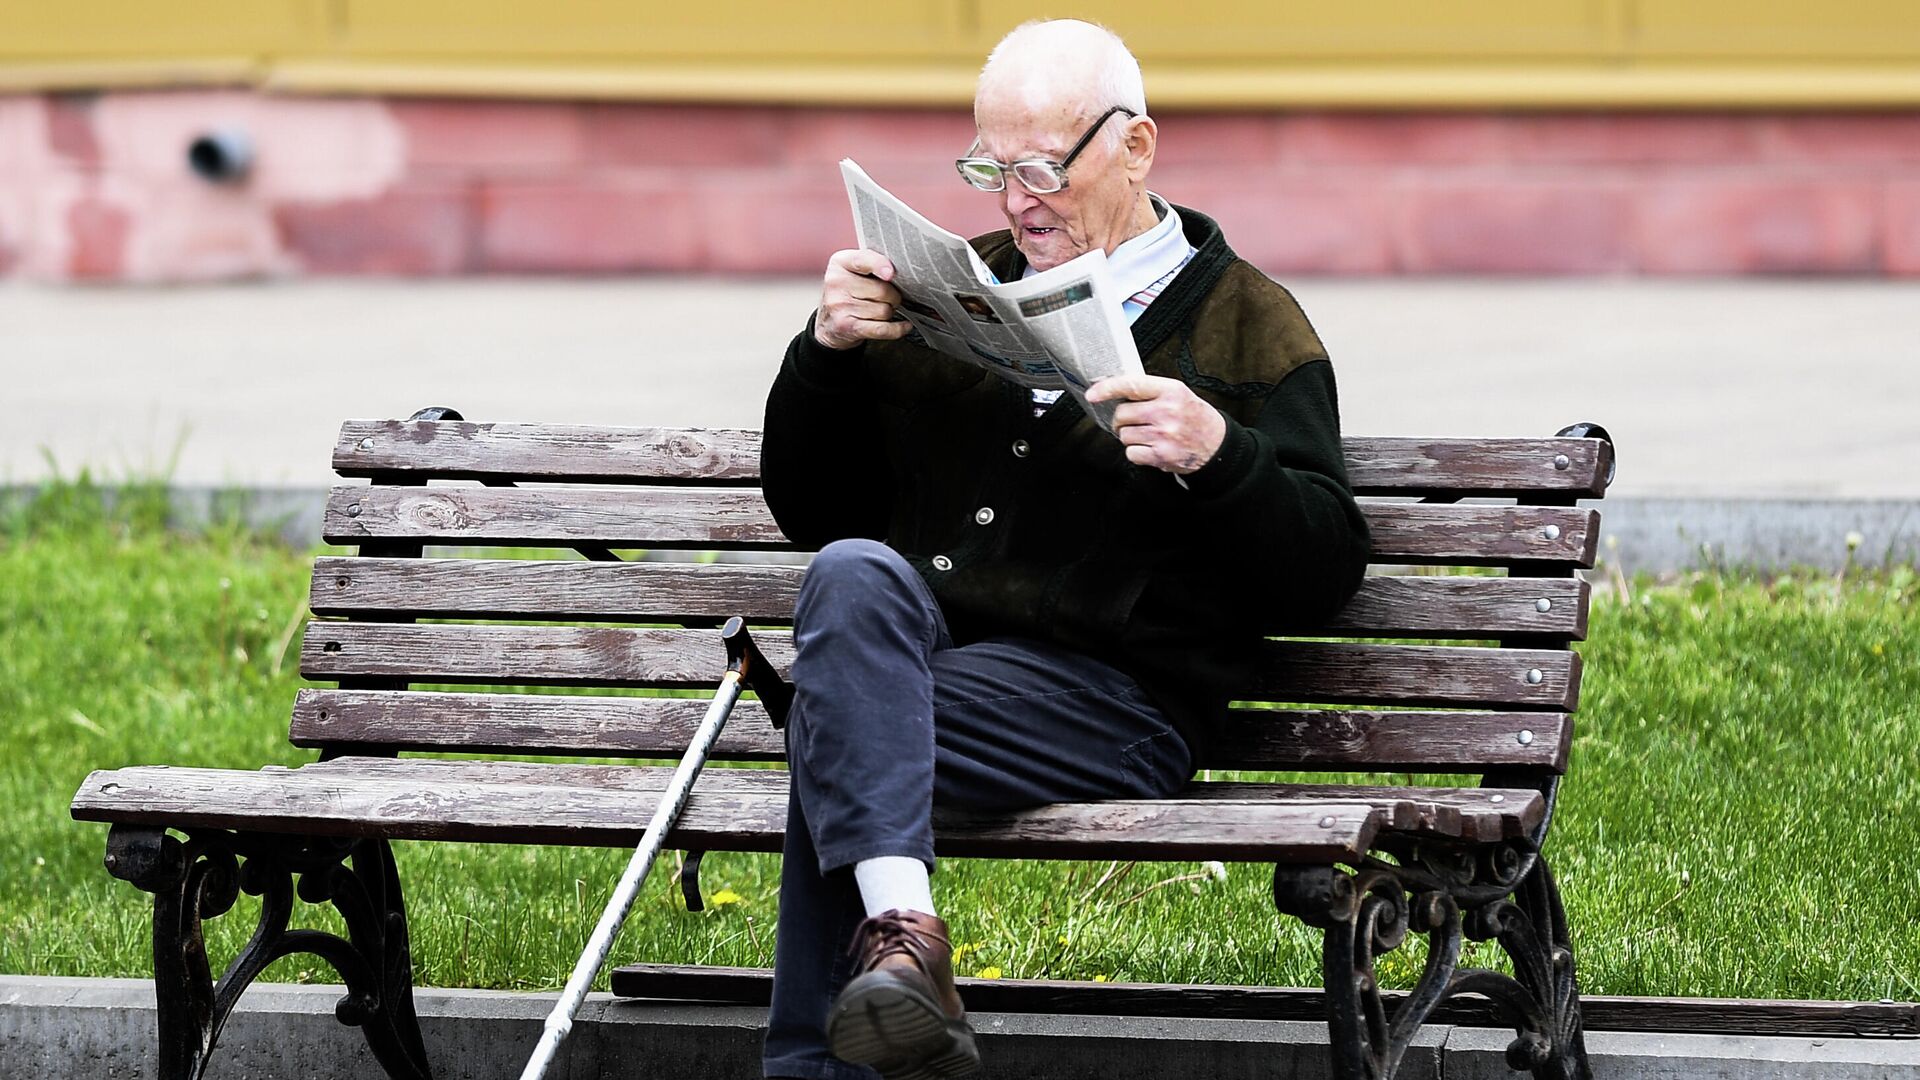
894	881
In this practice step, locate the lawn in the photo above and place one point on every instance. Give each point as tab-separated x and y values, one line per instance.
1740	819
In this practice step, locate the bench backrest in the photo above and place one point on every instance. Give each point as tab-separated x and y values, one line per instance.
1497	700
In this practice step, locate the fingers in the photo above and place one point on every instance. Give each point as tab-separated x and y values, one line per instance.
1171	428
1133	387
857	302
863	261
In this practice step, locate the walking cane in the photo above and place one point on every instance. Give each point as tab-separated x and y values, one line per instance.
744	663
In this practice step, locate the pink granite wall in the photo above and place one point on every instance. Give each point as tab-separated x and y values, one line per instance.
95	188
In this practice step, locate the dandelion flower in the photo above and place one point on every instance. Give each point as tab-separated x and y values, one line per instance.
725	897
1099	978
987	973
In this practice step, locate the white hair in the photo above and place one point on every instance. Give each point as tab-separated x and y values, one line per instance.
1046	60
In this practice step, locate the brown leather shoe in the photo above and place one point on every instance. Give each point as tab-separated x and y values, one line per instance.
900	1014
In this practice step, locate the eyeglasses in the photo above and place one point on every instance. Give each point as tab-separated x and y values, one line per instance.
1038	175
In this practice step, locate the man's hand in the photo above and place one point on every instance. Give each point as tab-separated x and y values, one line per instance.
1162	422
857	301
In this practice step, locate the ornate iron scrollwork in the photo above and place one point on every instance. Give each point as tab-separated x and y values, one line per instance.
1502	893
201	878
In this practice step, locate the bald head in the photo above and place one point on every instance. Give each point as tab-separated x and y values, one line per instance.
1061	64
1048	94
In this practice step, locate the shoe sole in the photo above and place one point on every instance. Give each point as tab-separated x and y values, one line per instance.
904	1035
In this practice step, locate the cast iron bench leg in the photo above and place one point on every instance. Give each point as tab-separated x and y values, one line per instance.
1451	895
200	878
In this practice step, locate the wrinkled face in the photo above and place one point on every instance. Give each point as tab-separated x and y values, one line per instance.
1098	206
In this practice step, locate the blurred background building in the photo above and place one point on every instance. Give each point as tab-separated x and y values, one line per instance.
216	139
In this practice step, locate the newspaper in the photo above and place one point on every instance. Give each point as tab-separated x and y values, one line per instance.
1061	329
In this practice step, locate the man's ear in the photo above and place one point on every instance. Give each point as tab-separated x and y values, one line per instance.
1142	137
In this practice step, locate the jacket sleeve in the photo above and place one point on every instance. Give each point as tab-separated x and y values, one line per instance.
1278	536
821	430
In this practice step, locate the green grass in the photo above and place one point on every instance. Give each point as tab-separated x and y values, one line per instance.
1740	819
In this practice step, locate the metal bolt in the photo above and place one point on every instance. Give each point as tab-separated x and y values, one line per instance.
1525	737
984	515
1560	462
353	509
1534	676
341	583
113	860
1498	798
1327	822
1551	532
1021	448
941	562
1543	604
366	443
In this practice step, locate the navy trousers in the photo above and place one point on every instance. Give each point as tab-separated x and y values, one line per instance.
890	718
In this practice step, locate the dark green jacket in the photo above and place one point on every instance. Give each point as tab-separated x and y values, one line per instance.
1175	586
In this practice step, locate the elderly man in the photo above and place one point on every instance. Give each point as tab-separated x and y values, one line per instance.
1010	607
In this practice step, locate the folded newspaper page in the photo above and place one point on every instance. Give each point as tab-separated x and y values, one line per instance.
1059	329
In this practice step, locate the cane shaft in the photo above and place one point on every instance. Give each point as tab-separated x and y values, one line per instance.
560	1020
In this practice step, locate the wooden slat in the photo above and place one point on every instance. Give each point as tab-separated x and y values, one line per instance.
554	452
1392	741
730	810
1295	671
726	518
1482	535
662	727
611	517
549	452
1720	1016
1433	675
1470	607
1477	467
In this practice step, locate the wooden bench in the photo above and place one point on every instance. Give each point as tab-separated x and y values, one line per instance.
1367	864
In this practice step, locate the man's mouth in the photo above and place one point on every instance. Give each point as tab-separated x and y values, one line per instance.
1039	230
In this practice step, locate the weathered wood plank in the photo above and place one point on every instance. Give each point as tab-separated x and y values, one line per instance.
662	727
643	517
1292	671
547	452
1473	813
1728	1016
744	812
1468	607
1392	741
556	452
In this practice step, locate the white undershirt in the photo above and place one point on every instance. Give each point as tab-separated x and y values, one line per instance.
1141	268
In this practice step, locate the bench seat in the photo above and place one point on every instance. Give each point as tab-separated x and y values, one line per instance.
746	810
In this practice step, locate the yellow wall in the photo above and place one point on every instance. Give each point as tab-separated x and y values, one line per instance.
1433	53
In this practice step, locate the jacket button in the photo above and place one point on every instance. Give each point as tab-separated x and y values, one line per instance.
984	515
1021	448
941	562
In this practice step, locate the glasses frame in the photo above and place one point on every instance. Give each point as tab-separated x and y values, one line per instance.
1058	169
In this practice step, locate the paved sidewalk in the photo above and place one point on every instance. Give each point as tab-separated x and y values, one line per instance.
1750	388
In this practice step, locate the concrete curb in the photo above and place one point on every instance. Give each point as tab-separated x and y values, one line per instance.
102	1029
1657	535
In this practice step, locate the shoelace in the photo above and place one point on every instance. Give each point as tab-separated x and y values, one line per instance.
894	936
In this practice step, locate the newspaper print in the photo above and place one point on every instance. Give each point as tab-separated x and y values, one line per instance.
1061	329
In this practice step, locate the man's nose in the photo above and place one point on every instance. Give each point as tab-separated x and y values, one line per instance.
1016	199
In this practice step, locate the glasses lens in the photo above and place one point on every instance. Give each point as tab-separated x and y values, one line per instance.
985	175
1039	177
